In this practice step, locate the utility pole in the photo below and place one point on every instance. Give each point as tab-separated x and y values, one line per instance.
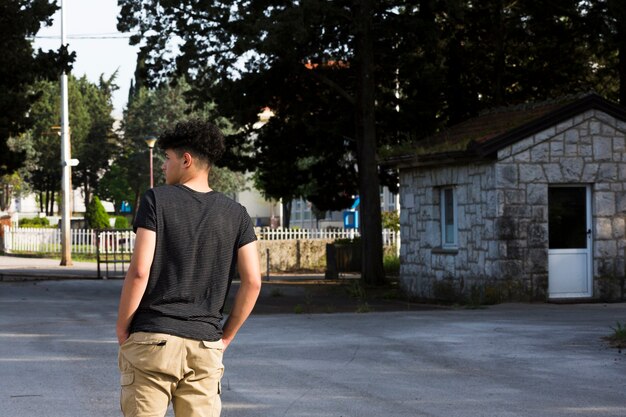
66	188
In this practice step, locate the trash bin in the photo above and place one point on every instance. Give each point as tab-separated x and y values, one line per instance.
342	257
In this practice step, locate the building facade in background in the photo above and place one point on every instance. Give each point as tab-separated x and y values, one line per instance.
524	203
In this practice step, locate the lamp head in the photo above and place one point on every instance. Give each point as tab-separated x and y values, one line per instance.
151	141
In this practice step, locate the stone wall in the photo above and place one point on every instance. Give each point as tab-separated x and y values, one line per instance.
426	269
293	255
588	149
502	212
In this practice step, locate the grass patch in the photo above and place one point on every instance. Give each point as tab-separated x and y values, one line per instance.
78	257
356	290
298	309
618	338
363	307
81	257
391	265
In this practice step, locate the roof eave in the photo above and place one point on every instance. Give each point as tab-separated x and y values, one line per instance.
438	159
592	101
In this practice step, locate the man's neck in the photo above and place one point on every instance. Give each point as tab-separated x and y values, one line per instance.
200	185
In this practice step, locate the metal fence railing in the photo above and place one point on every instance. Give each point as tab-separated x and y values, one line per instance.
114	249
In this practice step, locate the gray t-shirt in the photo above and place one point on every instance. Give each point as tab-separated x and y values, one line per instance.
195	260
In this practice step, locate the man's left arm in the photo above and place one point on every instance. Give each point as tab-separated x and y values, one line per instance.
136	281
248	292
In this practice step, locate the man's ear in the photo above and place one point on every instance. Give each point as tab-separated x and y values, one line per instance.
187	158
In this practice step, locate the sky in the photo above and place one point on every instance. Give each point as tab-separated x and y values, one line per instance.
106	49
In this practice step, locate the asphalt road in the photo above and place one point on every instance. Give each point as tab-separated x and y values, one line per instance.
58	357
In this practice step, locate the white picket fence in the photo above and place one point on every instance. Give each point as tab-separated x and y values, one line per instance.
390	237
18	240
44	240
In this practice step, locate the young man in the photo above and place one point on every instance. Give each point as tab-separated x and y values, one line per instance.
190	242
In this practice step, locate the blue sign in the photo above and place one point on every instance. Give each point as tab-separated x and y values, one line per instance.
351	216
351	219
125	207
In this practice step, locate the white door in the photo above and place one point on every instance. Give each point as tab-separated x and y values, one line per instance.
570	253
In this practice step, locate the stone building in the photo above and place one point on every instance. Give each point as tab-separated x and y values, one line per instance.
524	203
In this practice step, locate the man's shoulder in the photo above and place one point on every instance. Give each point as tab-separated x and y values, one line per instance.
165	189
180	194
226	201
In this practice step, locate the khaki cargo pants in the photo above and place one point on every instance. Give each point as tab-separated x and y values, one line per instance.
157	369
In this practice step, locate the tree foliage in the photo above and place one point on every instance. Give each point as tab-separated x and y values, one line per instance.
91	135
96	147
347	78
20	68
150	111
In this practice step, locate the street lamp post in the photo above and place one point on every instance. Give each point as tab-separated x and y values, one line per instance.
150	142
66	178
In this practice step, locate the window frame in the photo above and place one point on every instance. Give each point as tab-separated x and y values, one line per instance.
455	229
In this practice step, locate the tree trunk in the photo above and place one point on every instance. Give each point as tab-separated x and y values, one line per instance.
48	204
369	189
52	198
499	65
621	56
41	202
87	191
287	213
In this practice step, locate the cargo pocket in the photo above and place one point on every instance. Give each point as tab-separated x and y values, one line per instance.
146	352
217	345
214	352
127	395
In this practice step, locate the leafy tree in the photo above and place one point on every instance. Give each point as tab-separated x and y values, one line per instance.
114	185
96	148
390	71
10	185
279	36
45	175
96	216
391	220
150	112
15	184
92	137
20	67
605	22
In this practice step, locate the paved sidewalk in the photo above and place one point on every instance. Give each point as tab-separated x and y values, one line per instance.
58	359
16	268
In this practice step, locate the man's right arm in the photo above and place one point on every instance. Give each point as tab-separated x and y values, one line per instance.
249	289
136	281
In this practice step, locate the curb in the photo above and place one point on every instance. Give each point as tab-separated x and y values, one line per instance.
18	277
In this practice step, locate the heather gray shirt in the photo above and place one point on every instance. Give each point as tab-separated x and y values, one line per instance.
195	260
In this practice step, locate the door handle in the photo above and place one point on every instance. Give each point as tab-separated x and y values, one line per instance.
589	232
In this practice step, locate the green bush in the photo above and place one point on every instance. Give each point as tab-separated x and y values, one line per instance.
121	222
347	240
35	222
390	220
96	216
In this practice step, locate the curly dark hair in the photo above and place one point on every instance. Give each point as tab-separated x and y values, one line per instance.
199	137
